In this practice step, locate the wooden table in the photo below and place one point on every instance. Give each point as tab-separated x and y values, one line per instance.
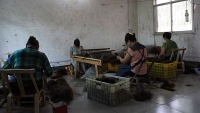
96	51
96	62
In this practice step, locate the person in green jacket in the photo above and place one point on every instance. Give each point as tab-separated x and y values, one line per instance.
167	46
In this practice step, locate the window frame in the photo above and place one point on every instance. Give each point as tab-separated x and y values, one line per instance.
172	2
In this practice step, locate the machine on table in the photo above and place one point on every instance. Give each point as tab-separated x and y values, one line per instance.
93	58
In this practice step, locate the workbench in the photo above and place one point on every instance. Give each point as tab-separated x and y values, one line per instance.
94	61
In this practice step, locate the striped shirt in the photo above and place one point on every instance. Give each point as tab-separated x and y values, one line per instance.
28	58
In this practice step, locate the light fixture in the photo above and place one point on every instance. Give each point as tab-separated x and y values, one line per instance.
186	14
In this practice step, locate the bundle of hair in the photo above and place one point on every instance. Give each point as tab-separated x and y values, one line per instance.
59	73
166	84
60	90
110	80
155	50
142	95
112	59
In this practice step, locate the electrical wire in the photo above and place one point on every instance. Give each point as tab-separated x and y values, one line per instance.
186	4
193	2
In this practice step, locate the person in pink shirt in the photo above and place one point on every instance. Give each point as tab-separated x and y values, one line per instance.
135	59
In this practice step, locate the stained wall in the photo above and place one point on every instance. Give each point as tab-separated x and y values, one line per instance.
56	23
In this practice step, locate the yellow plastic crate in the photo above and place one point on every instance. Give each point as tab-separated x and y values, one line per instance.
104	67
163	70
113	68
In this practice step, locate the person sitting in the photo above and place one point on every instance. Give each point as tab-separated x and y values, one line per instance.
28	58
167	47
76	50
134	60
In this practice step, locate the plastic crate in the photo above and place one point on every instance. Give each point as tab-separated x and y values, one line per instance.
113	68
163	70
110	94
104	67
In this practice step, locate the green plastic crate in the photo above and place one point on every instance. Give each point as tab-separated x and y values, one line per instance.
110	94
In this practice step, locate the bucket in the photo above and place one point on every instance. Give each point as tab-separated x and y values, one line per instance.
60	107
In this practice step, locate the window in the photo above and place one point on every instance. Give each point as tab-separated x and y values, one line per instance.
169	15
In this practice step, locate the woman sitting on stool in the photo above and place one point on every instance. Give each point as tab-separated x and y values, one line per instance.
135	59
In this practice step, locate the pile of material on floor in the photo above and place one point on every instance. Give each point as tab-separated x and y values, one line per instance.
163	84
142	95
59	73
60	90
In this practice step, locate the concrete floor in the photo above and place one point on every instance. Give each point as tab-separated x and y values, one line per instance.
185	99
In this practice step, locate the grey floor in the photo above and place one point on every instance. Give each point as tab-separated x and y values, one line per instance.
186	99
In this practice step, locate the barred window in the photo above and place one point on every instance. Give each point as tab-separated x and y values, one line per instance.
169	15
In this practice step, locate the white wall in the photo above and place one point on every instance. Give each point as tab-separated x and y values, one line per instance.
56	23
145	22
146	35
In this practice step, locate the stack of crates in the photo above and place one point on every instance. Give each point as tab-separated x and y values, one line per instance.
110	94
163	70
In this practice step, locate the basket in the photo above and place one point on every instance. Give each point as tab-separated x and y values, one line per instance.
113	68
163	70
110	94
